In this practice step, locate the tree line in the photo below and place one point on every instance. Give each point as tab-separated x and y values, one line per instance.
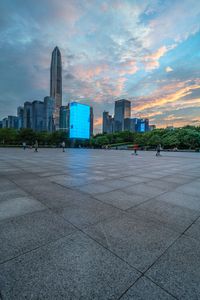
182	138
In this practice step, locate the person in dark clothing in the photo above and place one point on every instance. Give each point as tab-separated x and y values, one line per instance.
158	149
36	146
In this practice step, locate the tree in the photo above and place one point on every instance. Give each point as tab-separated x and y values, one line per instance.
27	135
8	136
154	140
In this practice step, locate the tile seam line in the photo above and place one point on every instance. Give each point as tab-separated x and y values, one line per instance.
79	229
179	236
142	275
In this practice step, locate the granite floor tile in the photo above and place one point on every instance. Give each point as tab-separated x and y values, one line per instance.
74	267
95	188
178	270
137	241
120	199
144	289
87	212
21	234
181	199
19	206
194	230
176	217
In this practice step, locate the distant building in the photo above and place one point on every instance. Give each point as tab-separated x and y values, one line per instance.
56	83
152	127
13	122
38	109
5	123
64	118
80	119
130	124
108	123
142	125
28	115
49	106
122	112
170	127
91	121
1	124
20	115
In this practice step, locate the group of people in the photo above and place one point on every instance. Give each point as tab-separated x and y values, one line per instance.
35	145
136	148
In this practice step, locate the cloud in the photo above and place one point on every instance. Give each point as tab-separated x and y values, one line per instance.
168	69
151	61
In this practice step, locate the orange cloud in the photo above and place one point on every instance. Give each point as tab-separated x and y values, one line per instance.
128	67
170	98
86	73
98	122
151	61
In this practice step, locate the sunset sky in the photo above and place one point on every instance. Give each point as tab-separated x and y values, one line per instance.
145	51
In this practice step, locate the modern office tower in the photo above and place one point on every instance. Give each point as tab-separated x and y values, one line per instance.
108	123
49	104
13	122
80	121
152	127
28	115
91	121
64	118
141	125
122	111
5	123
129	125
38	110
56	83
20	115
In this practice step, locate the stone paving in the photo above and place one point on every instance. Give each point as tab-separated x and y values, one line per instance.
99	224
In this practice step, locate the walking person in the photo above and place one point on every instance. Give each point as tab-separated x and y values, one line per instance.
36	146
63	146
135	148
158	149
24	145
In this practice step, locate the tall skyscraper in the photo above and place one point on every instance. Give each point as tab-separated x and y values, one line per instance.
20	114
28	115
122	112
107	122
38	109
56	83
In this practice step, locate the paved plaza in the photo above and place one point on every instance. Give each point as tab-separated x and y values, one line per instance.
99	224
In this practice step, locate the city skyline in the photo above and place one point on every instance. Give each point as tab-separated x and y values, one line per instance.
147	52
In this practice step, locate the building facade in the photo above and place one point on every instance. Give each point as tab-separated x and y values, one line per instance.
28	115
20	115
108	123
56	83
49	106
64	118
122	112
13	122
91	121
38	110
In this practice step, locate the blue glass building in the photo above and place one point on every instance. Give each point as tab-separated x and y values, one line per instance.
79	121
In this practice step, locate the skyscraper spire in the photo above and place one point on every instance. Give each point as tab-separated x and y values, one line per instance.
56	83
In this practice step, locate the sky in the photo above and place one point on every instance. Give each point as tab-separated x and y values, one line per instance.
144	51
